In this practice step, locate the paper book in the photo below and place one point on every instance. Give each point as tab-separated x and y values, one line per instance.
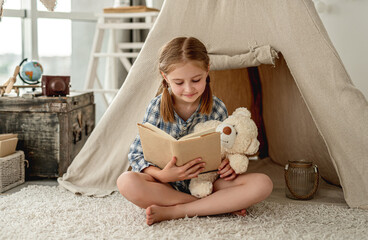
159	147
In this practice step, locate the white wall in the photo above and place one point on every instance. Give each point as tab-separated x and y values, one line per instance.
346	22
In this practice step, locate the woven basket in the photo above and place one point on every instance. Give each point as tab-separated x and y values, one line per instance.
11	171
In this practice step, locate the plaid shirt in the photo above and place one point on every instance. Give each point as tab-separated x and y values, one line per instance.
177	129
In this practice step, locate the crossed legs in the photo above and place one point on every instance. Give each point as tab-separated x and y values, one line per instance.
162	202
143	190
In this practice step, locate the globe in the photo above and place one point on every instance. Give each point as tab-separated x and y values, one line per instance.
31	72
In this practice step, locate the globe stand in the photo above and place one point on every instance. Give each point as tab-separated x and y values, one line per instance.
28	80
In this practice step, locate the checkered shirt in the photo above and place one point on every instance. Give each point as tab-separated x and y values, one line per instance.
177	129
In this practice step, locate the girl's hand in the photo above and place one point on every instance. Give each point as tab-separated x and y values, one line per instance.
172	173
225	171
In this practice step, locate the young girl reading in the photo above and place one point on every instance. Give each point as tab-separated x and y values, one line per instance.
186	100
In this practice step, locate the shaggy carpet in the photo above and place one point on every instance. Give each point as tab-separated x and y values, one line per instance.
44	212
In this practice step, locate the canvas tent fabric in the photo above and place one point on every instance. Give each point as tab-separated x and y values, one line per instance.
335	110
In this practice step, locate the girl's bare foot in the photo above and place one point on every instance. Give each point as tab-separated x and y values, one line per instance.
242	212
156	213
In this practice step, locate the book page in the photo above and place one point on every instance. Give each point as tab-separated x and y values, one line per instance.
156	147
156	130
208	147
198	134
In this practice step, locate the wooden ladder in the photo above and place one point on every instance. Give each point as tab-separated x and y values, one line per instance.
113	22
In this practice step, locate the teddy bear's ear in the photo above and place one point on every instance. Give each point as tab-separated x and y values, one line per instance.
241	112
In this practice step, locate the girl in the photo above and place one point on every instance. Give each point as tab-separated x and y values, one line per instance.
164	193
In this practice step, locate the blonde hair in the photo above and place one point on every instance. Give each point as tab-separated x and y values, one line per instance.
182	50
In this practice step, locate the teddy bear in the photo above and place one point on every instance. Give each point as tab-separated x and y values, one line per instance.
238	139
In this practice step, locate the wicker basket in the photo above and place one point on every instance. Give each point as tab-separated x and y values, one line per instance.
11	171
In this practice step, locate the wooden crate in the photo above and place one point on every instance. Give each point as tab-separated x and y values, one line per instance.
51	130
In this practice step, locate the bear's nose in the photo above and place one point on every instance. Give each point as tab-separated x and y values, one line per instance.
227	130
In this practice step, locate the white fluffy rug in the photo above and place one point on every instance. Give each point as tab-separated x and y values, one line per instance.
43	212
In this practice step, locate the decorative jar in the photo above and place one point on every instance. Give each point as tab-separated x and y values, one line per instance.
301	180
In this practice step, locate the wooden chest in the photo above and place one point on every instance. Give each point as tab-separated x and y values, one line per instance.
51	130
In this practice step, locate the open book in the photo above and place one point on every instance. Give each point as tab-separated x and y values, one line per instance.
159	147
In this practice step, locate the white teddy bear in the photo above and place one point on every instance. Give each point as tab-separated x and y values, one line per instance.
238	139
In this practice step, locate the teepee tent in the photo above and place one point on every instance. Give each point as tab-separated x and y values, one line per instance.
302	98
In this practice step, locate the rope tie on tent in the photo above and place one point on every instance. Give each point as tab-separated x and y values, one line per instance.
252	48
273	53
274	56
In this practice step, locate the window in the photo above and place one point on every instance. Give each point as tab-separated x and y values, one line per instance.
60	40
10	46
54	46
35	33
12	4
61	6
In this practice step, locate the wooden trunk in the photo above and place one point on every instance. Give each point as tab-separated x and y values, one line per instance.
51	130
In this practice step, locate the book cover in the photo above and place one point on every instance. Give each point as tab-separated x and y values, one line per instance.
8	144
159	147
